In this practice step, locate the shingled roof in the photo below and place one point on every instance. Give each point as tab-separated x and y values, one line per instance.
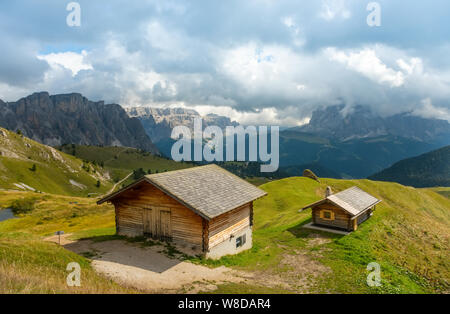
353	200
208	190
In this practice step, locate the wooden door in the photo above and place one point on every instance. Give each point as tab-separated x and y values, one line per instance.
165	229
148	222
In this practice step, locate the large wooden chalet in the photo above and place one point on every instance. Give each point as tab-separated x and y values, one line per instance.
207	208
344	210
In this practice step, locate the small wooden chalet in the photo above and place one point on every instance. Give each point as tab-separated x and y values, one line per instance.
207	208
344	210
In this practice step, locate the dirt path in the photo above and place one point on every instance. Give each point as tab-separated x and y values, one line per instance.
115	185
147	268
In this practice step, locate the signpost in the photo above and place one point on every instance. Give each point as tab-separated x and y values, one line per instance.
59	233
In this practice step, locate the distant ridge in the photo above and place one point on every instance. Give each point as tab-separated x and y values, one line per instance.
159	122
73	119
361	123
427	170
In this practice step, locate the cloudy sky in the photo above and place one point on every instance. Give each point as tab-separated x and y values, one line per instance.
258	61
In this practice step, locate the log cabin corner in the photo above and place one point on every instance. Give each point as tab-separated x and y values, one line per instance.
207	208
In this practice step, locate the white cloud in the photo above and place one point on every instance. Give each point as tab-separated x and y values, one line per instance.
367	63
415	65
266	116
73	61
255	83
428	110
245	55
296	33
265	69
332	9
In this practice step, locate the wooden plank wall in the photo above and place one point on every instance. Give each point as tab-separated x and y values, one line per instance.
364	216
220	228
186	226
341	217
129	220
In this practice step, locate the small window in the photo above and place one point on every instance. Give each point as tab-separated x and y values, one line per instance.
240	241
327	214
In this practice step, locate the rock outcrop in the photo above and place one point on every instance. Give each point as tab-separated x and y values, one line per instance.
331	122
159	122
71	118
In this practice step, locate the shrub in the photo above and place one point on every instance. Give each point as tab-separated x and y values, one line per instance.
23	206
139	173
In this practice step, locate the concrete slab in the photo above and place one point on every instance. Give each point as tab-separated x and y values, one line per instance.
325	229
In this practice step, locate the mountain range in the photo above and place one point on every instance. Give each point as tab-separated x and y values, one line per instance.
159	122
71	118
427	170
354	144
361	122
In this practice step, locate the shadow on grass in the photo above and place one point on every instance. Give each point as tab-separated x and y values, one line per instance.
300	232
141	240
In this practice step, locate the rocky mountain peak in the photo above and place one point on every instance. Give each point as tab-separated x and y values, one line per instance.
72	118
159	122
361	122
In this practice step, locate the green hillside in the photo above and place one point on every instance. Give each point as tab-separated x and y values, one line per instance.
445	191
28	165
30	265
407	236
427	170
121	161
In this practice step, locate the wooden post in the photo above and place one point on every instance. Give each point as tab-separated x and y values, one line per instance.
59	233
205	235
251	214
355	224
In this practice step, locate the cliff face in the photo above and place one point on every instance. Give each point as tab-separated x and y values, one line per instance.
362	123
158	123
72	118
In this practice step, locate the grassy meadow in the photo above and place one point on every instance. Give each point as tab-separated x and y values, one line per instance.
407	236
120	161
30	265
42	168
